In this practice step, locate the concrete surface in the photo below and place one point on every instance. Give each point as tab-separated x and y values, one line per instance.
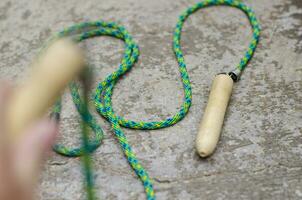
260	152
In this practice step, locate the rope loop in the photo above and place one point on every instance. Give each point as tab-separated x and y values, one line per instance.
103	94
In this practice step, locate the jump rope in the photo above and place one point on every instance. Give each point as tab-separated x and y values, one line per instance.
103	94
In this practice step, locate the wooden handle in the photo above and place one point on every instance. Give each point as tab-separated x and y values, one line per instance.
211	124
52	71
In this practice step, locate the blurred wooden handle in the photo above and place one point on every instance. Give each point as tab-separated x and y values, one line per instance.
52	71
211	124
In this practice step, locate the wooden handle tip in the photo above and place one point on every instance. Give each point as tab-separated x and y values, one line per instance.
211	124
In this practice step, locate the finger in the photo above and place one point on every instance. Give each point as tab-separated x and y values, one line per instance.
4	147
6	181
31	152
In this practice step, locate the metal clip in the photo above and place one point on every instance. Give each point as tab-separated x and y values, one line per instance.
235	75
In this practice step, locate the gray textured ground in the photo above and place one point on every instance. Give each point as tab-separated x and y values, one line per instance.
260	152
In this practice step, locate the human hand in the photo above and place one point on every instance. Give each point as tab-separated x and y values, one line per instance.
20	162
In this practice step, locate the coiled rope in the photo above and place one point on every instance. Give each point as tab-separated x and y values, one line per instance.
103	93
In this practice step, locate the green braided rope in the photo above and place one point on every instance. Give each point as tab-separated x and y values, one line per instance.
103	93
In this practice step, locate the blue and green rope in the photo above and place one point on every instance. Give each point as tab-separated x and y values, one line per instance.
103	93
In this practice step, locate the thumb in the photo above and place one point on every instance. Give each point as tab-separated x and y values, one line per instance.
31	151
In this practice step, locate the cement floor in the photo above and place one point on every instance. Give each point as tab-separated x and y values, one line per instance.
259	155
